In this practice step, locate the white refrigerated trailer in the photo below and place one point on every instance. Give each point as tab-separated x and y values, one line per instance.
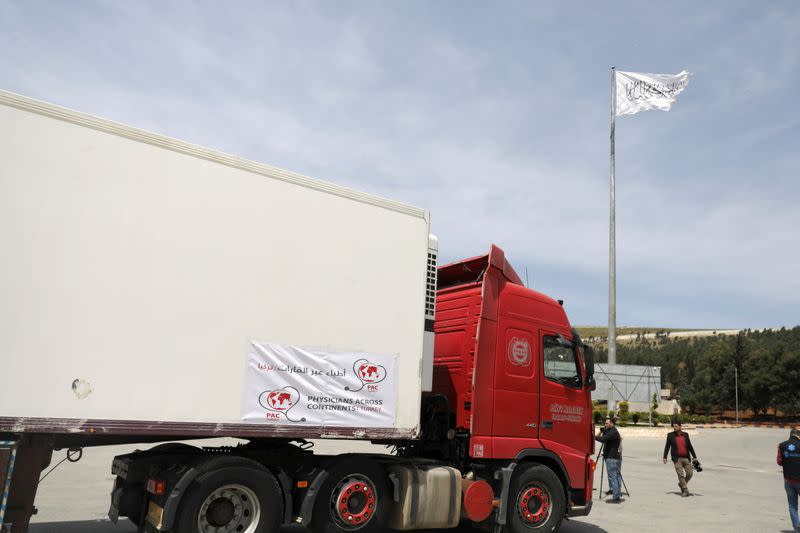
138	273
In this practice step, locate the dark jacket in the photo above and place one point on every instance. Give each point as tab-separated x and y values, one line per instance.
672	447
610	440
789	458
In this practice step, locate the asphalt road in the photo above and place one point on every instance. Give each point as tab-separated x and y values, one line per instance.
740	490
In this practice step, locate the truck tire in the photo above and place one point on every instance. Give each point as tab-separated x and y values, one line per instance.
354	497
536	500
243	497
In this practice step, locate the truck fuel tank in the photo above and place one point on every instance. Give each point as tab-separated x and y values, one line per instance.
429	497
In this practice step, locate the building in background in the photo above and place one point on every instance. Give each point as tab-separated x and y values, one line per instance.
634	384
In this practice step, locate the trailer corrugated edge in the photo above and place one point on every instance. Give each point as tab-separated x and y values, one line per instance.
195	429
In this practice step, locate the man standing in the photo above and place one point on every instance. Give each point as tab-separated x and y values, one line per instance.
789	459
681	450
612	456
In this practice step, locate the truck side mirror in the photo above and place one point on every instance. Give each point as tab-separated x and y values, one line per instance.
588	362
562	340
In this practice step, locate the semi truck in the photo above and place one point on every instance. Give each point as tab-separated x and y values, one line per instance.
155	292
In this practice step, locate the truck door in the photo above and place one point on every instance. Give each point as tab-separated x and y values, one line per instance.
563	413
516	394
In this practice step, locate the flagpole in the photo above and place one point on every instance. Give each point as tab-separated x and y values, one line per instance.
612	246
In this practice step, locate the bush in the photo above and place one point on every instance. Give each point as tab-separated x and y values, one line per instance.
622	413
696	419
655	417
701	419
635	418
600	415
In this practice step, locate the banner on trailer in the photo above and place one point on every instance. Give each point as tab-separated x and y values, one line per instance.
287	385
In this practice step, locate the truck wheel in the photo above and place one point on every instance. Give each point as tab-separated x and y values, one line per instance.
536	500
354	497
232	499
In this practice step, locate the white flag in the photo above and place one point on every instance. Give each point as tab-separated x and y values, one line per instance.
637	91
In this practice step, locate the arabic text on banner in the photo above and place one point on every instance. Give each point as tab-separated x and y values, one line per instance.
287	385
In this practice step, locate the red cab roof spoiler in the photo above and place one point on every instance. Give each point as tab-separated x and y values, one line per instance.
472	270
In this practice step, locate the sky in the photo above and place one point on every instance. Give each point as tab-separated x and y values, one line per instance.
494	116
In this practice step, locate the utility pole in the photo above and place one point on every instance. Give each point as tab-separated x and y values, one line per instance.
612	246
736	384
649	407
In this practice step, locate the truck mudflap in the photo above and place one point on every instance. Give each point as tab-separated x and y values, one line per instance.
113	510
175	496
580	510
504	475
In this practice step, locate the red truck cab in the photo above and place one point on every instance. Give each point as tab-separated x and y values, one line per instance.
515	374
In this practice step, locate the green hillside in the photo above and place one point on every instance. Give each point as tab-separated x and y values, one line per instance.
703	370
602	331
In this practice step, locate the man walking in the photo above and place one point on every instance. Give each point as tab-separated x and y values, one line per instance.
681	450
789	459
609	436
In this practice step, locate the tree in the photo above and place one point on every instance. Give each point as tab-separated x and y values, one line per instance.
760	380
654	409
784	395
622	412
702	370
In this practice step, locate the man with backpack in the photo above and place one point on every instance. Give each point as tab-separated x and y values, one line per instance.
789	459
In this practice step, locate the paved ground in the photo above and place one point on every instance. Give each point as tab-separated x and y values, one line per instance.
740	490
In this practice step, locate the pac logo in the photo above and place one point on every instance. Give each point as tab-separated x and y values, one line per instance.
279	402
792	447
519	352
369	374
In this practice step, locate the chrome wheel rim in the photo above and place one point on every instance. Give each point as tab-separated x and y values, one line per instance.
229	509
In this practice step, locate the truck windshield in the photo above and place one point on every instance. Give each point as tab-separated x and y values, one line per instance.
561	362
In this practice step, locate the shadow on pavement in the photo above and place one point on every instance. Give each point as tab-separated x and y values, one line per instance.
105	526
691	494
575	526
86	526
